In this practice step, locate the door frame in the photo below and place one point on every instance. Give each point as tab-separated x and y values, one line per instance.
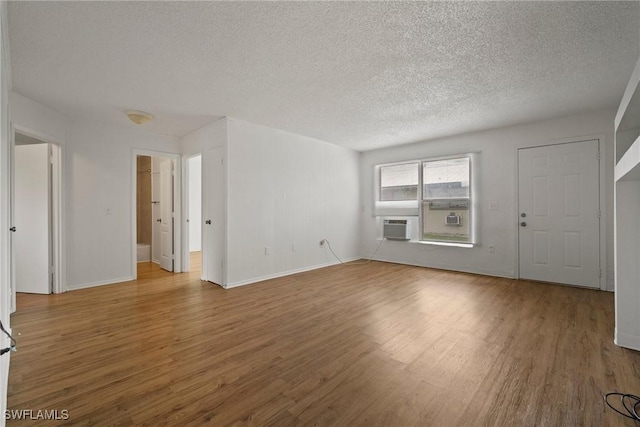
57	215
602	156
186	255
177	207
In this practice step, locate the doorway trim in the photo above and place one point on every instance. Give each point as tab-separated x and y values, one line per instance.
58	219
602	178
177	207
186	254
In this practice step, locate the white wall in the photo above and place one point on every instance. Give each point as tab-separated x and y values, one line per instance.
287	192
36	120
195	203
498	182
212	135
99	159
5	155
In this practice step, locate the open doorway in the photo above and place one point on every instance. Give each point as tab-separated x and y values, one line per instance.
154	213
37	215
204	203
194	214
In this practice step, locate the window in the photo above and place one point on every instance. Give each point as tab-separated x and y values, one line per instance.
437	191
446	200
399	182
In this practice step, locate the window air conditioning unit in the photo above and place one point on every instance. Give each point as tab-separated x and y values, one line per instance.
452	219
396	229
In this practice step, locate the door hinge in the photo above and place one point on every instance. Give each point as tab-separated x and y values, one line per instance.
598	154
599	214
600	273
222	160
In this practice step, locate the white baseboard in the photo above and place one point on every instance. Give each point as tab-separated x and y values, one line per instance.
99	283
610	280
627	340
484	272
284	273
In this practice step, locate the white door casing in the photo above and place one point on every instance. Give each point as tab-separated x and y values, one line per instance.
166	214
559	196
32	239
213	215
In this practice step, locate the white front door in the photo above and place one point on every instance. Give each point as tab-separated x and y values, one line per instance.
559	213
166	214
213	215
32	239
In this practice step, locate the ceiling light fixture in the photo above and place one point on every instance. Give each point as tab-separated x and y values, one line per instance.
139	117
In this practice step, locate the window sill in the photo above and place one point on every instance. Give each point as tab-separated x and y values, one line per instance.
457	245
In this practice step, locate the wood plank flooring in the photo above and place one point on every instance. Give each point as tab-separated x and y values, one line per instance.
374	345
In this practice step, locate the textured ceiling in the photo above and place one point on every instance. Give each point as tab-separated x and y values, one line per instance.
359	74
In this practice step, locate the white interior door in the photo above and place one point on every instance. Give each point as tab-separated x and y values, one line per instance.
166	214
559	213
32	239
213	215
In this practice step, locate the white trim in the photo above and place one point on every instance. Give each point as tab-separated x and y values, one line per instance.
11	216
60	246
626	340
186	254
454	268
286	273
436	243
602	176
177	207
6	46
100	283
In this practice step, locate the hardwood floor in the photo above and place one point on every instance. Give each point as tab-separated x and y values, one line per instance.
375	344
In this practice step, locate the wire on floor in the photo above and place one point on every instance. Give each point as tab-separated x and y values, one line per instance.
354	263
630	403
13	341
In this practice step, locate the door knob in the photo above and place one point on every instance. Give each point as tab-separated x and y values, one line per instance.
159	220
12	229
208	222
523	215
523	224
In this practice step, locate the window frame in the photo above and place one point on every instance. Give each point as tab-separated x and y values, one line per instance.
421	200
413	208
394	208
417	163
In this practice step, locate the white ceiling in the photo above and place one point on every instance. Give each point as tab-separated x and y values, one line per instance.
359	74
